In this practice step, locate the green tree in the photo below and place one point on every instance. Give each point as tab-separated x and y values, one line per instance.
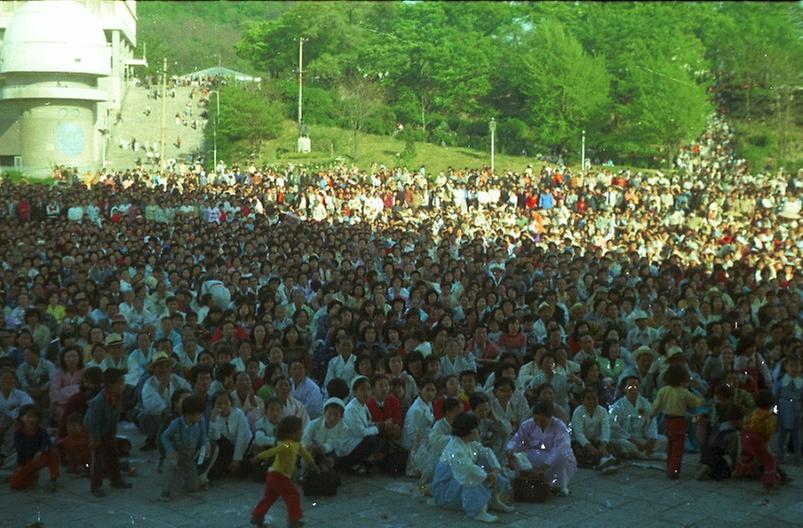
245	115
360	100
566	89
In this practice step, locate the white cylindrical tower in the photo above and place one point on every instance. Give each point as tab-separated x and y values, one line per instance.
54	52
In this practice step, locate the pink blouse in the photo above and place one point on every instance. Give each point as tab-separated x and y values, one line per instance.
64	385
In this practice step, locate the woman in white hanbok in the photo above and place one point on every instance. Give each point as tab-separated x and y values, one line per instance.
427	455
468	476
417	423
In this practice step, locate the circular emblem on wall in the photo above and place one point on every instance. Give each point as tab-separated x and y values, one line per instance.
69	138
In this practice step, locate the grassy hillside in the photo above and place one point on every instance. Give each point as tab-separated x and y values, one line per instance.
330	142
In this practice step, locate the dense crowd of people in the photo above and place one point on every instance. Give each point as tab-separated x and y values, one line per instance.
464	329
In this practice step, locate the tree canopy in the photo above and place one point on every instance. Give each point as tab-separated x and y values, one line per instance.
639	78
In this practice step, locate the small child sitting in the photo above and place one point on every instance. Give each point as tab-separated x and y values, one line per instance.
756	433
176	400
34	451
76	445
182	441
324	436
591	427
714	463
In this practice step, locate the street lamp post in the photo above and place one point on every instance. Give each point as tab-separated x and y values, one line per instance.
214	132
583	153
492	127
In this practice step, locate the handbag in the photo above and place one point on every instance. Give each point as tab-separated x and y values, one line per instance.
530	487
323	484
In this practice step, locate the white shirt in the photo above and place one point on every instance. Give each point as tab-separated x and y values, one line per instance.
417	423
265	433
329	439
460	364
155	402
463	458
341	368
233	427
587	428
633	420
357	425
293	407
10	405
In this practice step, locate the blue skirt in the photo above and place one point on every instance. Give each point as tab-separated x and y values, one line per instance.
448	493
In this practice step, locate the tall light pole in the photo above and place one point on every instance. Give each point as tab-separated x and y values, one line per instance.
214	132
164	112
300	78
492	126
583	153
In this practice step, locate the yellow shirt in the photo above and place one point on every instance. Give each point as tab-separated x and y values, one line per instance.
675	401
286	453
763	422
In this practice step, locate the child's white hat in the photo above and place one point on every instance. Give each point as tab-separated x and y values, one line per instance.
354	382
334	401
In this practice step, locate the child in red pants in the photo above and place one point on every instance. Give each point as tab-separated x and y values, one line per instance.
756	433
278	483
675	400
34	451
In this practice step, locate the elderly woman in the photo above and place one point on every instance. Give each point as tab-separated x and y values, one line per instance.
468	476
546	441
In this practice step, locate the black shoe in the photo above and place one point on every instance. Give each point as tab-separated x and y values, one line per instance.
121	484
99	493
150	445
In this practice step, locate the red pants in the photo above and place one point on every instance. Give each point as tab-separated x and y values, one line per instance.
754	449
27	474
676	438
277	485
105	460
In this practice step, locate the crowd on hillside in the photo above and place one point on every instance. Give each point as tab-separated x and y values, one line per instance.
464	329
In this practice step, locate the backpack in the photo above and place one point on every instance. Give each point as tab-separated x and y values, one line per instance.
323	484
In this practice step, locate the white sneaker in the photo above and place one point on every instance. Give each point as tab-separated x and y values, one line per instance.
606	462
609	470
485	517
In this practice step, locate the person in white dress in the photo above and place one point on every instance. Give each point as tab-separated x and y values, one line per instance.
418	421
468	476
361	438
427	455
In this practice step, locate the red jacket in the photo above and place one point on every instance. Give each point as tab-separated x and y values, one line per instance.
391	408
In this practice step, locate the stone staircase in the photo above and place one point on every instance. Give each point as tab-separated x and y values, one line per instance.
146	129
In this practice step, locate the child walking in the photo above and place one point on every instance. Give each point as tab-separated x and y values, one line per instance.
34	451
675	400
278	483
182	441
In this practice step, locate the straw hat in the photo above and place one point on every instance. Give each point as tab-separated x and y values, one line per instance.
161	357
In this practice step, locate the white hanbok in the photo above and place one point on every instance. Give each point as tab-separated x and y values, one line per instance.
459	481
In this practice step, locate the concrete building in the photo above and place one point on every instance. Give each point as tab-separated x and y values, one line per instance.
63	71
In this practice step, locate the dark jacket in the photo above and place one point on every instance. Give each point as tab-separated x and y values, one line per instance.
102	417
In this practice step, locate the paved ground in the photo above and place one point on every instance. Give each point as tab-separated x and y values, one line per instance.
636	496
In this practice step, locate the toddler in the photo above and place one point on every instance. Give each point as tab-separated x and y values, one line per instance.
278	483
34	451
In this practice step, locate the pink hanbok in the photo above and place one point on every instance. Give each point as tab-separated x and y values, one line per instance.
551	448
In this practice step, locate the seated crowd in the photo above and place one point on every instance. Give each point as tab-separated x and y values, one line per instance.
459	331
